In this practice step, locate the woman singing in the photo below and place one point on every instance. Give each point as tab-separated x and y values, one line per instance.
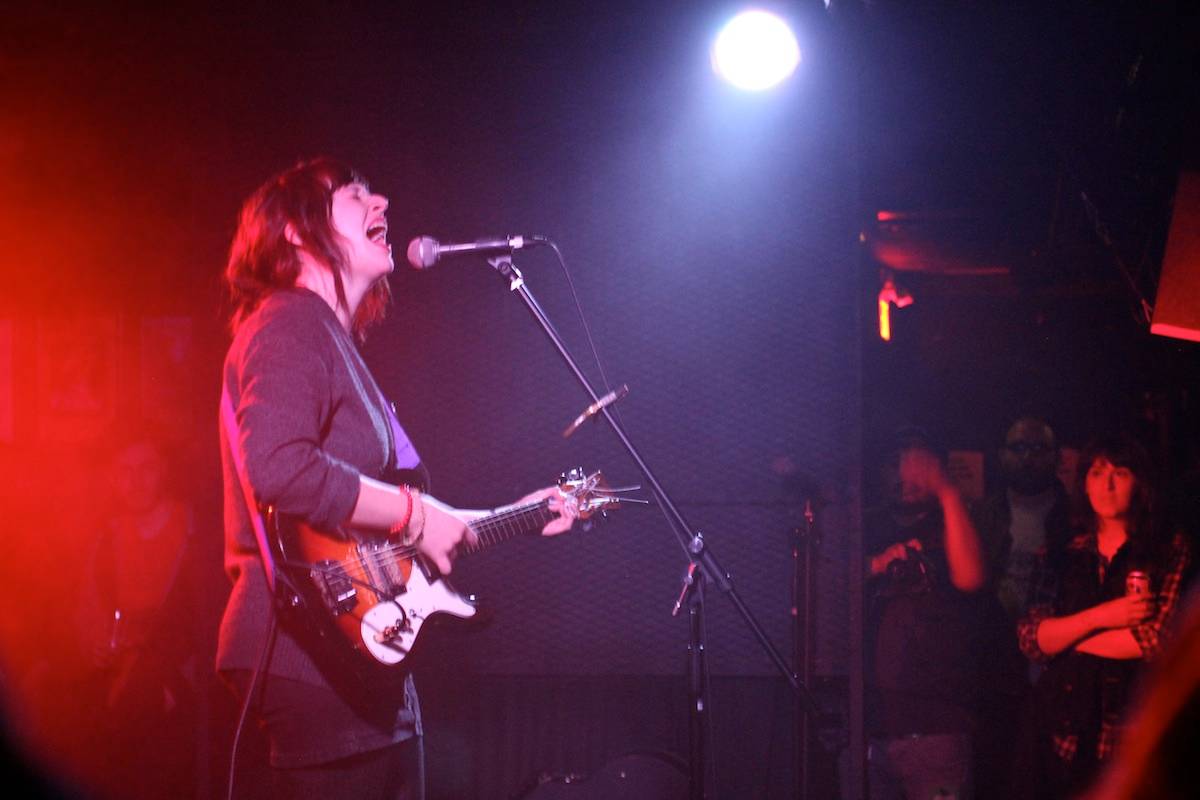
306	430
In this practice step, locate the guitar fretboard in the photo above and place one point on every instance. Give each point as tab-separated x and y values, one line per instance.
508	524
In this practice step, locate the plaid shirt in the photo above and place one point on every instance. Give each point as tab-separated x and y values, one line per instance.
1147	634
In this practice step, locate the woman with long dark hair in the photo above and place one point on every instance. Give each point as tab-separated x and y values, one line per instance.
1119	584
306	431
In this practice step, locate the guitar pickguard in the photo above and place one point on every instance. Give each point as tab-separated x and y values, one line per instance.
389	629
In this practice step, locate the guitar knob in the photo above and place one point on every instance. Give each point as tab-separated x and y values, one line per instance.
392	632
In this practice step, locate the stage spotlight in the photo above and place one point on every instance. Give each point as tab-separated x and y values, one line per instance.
755	51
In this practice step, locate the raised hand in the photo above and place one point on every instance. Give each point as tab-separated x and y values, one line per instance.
921	474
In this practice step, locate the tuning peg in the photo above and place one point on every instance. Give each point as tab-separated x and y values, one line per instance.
618	490
573	475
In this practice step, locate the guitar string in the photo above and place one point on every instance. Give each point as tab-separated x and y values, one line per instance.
497	528
488	530
330	570
355	571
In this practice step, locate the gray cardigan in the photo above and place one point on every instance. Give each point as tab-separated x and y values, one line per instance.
310	420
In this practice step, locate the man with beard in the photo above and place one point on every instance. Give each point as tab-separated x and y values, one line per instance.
1027	520
925	563
1024	526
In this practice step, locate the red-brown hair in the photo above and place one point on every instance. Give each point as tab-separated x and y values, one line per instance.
262	260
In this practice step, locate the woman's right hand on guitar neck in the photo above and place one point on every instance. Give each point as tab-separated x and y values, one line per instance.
441	530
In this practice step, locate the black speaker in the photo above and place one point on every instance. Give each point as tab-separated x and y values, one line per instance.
635	776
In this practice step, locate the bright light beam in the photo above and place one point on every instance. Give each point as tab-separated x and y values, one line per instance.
755	51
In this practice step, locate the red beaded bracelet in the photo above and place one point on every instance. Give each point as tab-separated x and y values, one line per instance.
402	524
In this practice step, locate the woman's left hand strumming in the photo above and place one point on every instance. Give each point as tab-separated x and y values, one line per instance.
563	506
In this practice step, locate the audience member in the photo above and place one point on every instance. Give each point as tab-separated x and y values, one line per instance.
138	632
1157	757
1118	586
1024	525
1027	519
925	563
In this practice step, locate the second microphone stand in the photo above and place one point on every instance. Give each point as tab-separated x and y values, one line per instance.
699	555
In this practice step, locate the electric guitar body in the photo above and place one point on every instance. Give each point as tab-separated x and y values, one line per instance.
358	600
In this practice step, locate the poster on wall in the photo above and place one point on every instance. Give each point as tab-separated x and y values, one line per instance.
166	372
76	397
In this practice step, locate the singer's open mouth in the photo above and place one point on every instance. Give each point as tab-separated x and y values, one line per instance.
377	233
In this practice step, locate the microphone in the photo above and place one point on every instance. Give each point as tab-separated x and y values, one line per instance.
596	407
425	251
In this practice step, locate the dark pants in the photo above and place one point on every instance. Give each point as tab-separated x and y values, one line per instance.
1004	747
394	773
933	766
323	747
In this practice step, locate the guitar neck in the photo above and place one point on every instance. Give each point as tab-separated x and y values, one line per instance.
508	524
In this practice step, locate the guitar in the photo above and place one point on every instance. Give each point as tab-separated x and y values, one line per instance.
363	597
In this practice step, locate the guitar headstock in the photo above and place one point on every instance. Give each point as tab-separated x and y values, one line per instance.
591	494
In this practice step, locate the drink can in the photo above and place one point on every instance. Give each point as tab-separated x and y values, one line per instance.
1137	582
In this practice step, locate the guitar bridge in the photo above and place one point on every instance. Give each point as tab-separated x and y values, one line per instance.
382	568
336	588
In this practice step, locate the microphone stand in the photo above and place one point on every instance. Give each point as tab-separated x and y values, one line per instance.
699	555
804	540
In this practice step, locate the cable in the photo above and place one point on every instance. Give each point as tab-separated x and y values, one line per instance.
241	723
682	533
1102	233
587	332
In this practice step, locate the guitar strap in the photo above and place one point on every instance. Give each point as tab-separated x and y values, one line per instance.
229	421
